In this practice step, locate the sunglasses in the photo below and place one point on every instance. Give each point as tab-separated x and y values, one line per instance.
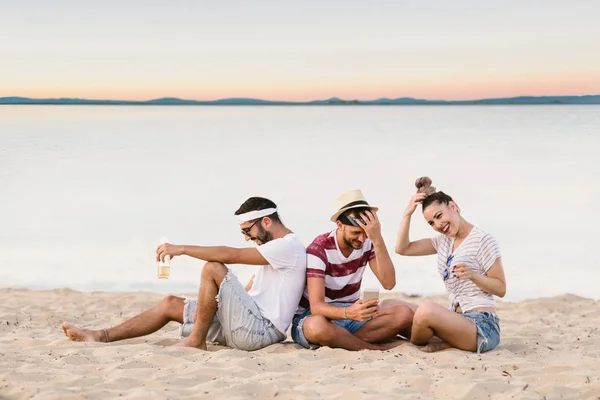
246	231
448	262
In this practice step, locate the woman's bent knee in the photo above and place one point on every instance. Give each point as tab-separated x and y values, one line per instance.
426	312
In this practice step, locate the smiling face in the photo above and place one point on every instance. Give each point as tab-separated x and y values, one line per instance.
353	236
255	231
443	218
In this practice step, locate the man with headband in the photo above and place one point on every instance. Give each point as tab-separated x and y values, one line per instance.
225	313
330	311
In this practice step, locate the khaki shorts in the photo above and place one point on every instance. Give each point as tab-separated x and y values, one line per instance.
238	322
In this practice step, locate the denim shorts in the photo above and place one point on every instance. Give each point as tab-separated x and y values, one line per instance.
298	323
238	322
488	329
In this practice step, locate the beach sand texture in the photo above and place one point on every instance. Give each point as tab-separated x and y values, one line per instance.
550	349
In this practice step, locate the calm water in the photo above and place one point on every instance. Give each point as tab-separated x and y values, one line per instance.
87	192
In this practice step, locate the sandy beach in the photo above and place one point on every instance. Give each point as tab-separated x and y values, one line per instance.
550	349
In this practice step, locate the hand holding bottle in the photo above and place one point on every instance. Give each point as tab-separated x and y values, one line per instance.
164	262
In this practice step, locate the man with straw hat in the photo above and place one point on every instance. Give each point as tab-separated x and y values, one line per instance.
330	311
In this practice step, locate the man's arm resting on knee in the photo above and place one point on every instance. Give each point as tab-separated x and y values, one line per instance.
222	254
225	255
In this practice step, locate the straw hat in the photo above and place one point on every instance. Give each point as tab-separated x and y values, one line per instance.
348	200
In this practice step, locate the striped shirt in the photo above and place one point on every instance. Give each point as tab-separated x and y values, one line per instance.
478	251
342	275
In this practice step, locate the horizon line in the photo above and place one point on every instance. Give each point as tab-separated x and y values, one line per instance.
255	99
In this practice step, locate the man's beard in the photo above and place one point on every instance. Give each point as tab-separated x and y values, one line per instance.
263	235
354	245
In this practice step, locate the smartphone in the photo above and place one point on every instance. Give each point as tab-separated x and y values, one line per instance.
369	294
353	220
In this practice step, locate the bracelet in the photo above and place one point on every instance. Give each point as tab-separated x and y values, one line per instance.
345	313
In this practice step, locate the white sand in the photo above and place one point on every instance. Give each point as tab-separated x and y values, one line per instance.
550	349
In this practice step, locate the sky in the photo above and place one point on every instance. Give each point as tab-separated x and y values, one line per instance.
297	51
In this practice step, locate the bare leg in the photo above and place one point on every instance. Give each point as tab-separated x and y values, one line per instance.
387	324
169	309
210	282
413	306
452	328
318	329
387	303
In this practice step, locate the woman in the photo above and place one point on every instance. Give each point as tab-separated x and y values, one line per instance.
469	262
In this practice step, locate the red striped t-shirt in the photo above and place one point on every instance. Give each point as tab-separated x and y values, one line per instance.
342	275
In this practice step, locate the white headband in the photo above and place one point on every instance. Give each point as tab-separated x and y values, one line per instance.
249	216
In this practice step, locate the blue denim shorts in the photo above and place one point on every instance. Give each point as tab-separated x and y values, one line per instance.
298	322
488	329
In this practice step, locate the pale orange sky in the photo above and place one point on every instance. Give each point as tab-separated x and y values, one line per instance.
204	50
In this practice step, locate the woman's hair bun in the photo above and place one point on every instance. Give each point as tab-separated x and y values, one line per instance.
423	185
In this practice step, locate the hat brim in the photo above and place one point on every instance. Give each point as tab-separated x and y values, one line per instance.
335	216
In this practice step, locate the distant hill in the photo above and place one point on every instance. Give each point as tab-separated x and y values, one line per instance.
592	99
242	101
522	100
404	100
170	100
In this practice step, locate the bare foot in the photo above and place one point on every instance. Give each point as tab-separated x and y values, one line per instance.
188	342
437	346
82	335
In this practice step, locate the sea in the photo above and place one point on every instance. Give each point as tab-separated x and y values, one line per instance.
87	192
